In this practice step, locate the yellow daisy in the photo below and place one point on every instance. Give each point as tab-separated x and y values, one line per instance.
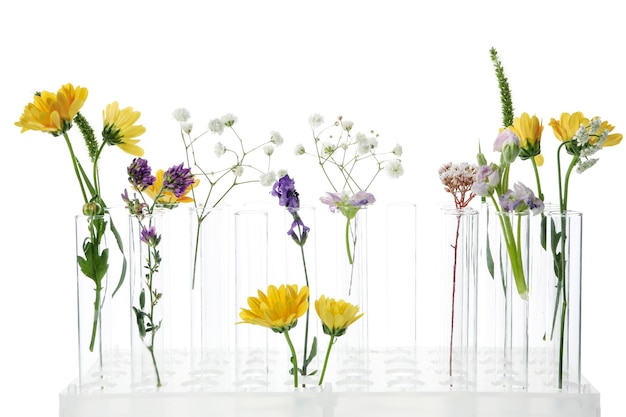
167	198
336	315
120	129
279	309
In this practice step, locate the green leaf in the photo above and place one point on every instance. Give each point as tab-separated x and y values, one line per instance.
140	325
313	352
142	299
120	245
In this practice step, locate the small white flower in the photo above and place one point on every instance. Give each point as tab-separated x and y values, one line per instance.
360	139
216	126
268	150
186	127
328	149
299	150
316	120
366	145
237	170
219	149
397	151
282	173
582	166
276	139
267	179
347	125
181	114
229	119
394	168
344	146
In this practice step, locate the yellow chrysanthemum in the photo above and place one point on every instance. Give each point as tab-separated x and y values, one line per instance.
168	198
120	129
613	138
53	113
566	127
279	310
336	315
529	129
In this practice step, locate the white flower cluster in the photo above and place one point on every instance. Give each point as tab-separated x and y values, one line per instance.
589	142
339	150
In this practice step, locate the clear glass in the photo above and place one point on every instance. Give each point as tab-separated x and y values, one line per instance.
400	318
251	275
511	269
350	353
97	275
150	296
458	348
211	327
562	294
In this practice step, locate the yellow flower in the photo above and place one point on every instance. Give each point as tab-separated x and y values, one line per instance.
167	198
51	112
336	315
120	129
613	138
279	310
566	127
529	129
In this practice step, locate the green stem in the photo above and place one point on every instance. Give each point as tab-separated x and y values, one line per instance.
154	362
330	345
536	171
350	260
294	360
80	182
306	327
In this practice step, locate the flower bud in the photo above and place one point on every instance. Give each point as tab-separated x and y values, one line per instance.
92	209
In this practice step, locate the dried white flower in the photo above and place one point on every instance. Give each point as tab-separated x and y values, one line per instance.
237	170
229	119
397	151
347	125
186	127
316	120
282	173
216	126
276	139
584	165
328	149
299	150
181	115
394	168
268	150
267	179
219	149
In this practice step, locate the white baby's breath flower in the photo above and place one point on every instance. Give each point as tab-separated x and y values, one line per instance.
397	151
216	126
268	150
219	149
229	119
344	146
181	114
276	139
267	179
299	150
394	168
282	172
186	127
328	149
237	170
360	138
347	125
316	120
369	144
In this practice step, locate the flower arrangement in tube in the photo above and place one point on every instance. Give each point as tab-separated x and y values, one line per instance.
581	138
458	180
350	164
166	190
280	308
56	114
236	166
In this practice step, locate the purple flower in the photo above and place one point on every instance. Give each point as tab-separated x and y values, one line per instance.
361	199
333	200
302	231
508	143
139	174
149	236
520	199
285	190
177	179
487	178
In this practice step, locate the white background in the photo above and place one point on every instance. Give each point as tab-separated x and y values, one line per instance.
418	73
